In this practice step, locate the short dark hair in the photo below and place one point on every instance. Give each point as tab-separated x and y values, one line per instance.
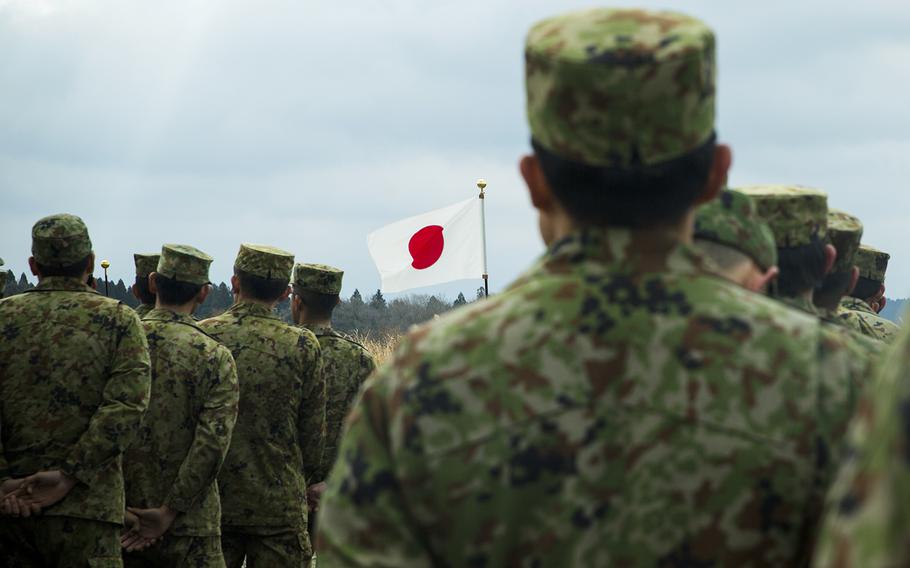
74	270
173	292
259	288
635	197
866	288
142	290
802	268
832	289
318	305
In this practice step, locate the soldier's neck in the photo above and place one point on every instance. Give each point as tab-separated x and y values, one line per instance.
184	309
316	322
241	298
681	230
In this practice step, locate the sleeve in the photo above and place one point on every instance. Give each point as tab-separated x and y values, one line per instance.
364	518
311	420
867	521
125	397
212	436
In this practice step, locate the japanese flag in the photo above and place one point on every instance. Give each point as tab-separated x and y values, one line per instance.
435	247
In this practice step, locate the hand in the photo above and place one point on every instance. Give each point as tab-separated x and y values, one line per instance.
37	492
151	524
314	495
9	486
11	506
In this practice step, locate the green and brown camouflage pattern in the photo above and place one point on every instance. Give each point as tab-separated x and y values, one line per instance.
59	541
264	261
184	263
146	263
60	240
844	232
868	521
74	384
181	551
616	406
186	431
731	220
279	437
872	263
347	364
266	547
860	317
320	278
143	309
795	214
620	88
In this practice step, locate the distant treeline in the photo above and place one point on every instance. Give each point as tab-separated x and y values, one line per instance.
375	315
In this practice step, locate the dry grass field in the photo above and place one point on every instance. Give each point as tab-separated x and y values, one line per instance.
381	345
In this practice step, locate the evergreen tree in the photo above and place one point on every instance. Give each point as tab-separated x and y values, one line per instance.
459	301
481	293
378	301
356	298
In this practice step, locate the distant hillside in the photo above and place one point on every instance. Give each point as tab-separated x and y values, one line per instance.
894	309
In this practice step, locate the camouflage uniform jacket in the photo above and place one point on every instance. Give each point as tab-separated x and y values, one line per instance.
347	365
868	521
143	309
616	406
186	431
860	316
74	383
280	431
803	305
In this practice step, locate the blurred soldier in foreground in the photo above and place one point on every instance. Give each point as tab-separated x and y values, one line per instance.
145	265
170	471
868	521
798	217
346	363
280	431
619	404
729	232
74	382
844	233
861	309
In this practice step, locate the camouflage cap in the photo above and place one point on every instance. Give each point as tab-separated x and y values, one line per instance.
845	232
732	221
265	261
620	88
146	263
184	264
794	213
319	278
60	240
872	263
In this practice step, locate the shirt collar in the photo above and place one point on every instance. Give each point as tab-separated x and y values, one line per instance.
163	314
242	309
856	305
63	283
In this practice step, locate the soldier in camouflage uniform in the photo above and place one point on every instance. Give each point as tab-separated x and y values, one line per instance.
798	217
860	311
844	233
170	471
280	432
145	265
868	521
618	405
346	363
730	233
74	383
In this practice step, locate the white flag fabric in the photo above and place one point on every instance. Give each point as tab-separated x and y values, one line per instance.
435	247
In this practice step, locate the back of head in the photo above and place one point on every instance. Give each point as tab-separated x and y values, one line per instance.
318	286
263	271
872	264
181	272
621	109
844	233
731	232
145	265
61	245
798	217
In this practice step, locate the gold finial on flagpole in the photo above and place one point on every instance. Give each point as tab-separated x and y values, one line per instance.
482	184
105	264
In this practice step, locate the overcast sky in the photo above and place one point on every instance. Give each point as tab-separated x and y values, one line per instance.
308	124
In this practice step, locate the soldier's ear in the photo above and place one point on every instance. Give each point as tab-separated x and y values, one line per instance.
717	175
153	283
762	280
284	296
541	195
830	257
33	266
854	278
203	293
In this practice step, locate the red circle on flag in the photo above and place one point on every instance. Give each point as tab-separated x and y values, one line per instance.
426	246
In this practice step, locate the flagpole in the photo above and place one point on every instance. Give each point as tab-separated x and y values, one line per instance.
482	184
105	264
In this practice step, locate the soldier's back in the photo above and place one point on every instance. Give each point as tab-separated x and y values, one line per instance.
64	353
193	406
612	408
346	365
859	316
262	481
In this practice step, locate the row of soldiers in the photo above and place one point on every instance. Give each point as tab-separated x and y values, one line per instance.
671	384
209	441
